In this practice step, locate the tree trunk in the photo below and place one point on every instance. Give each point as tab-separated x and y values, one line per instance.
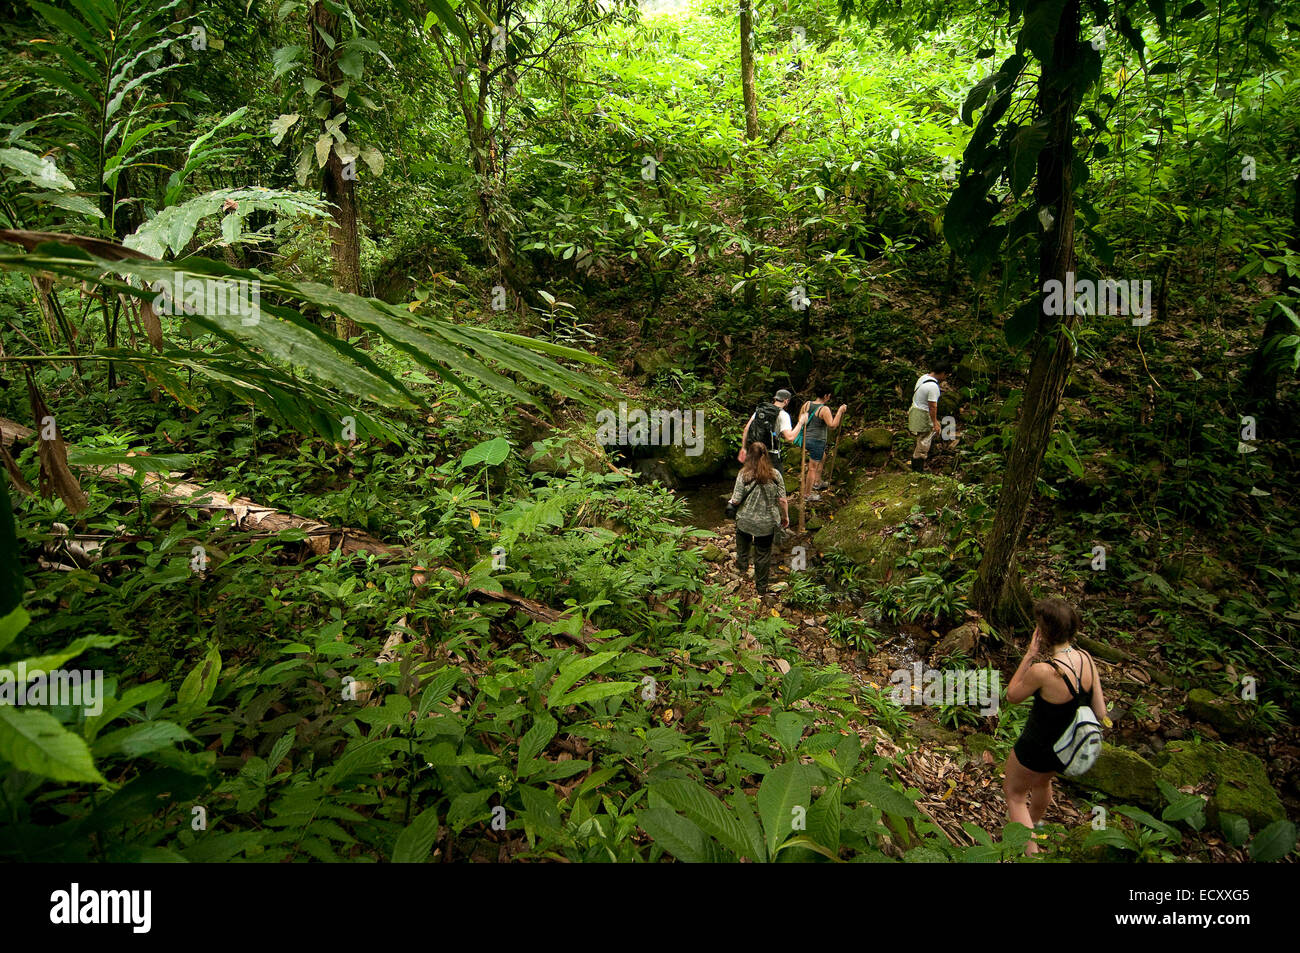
751	125
340	190
995	596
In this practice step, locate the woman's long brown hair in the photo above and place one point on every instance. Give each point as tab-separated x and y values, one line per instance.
757	468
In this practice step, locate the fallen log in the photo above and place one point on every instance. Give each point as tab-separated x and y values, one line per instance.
246	514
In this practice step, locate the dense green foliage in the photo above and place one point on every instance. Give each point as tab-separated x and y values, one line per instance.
540	211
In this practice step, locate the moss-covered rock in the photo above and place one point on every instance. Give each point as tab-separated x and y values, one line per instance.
970	367
1240	783
649	363
713	553
1123	775
867	528
1074	846
712	453
875	438
1228	714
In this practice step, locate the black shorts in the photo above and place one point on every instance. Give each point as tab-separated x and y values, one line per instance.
1037	757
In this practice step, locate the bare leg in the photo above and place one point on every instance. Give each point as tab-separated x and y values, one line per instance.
1040	798
1017	784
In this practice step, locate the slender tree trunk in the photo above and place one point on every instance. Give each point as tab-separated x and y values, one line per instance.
340	190
1053	352
751	125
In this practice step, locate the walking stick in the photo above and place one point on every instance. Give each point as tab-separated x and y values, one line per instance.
803	475
830	464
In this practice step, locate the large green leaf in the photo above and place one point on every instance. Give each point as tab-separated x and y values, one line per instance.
675	834
785	792
710	814
416	840
1273	842
33	740
199	684
489	453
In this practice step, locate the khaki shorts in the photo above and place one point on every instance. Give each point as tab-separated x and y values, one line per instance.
918	422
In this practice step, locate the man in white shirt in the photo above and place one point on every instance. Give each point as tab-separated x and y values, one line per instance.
923	415
772	430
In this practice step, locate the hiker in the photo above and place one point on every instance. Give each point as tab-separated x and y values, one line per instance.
759	507
923	415
1060	678
769	425
818	419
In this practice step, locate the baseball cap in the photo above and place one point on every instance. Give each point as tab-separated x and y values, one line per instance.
783	394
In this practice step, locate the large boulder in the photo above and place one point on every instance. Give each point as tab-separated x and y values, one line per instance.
866	528
1227	714
650	469
971	367
874	444
949	405
1123	775
875	438
711	454
652	362
1240	783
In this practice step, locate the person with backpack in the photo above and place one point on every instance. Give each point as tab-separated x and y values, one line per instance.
812	437
759	506
769	425
923	415
1065	722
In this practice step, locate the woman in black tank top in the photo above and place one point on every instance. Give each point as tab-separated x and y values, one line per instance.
1060	678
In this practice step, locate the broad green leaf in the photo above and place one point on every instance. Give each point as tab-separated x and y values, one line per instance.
33	740
416	842
199	684
785	790
12	624
488	453
710	814
674	833
1273	842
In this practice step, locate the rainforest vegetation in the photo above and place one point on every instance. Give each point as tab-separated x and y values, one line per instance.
329	333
